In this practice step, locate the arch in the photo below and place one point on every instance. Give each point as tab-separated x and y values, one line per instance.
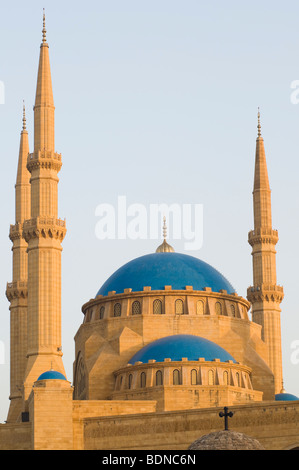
238	379
211	377
218	308
80	380
159	378
130	381
179	307
233	310
176	377
225	378
120	382
157	307
117	310
102	312
136	308
194	379
200	307
143	380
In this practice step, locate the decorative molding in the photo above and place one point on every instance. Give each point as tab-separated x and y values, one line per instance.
44	227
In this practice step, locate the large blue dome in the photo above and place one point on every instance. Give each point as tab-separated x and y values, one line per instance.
181	346
166	269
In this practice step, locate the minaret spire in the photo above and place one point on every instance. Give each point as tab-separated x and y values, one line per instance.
44	110
44	27
259	123
265	295
24	117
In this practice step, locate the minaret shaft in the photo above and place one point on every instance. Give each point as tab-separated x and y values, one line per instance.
44	233
265	295
17	291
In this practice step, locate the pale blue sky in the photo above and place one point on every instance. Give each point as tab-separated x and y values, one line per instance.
157	101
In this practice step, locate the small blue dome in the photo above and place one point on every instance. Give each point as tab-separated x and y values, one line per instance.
181	346
286	397
158	270
51	375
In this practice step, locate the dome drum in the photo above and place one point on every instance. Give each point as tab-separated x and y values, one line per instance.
191	384
195	303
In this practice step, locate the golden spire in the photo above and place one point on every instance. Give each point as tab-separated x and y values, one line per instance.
165	247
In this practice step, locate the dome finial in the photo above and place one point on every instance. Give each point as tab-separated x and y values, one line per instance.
283	389
259	127
164	228
165	247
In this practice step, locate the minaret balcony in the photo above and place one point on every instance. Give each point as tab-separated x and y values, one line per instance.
17	290
44	227
263	235
265	292
44	159
16	232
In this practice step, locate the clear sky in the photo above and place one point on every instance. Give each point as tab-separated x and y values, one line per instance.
157	101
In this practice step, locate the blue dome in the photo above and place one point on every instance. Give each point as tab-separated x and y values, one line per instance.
181	346
51	375
166	269
286	397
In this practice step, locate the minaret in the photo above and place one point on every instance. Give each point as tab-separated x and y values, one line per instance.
265	295
17	291
44	233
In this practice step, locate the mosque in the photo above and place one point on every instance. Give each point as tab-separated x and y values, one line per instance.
165	344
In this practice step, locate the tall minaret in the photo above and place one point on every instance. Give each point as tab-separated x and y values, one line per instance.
265	295
17	291
44	233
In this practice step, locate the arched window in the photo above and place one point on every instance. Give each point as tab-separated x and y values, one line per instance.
120	382
200	307
136	308
102	313
117	310
130	381
211	377
179	307
159	378
218	308
238	379
143	380
176	377
193	377
225	377
158	307
233	311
